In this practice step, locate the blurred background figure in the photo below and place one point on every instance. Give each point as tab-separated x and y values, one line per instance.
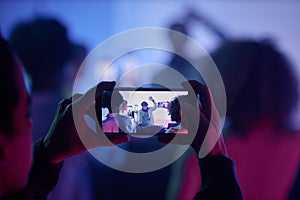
179	68
262	96
179	64
178	61
71	68
262	90
52	61
44	47
180	45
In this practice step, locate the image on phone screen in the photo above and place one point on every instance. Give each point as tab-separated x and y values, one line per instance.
142	111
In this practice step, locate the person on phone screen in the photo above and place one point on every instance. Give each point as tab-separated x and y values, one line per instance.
145	115
114	121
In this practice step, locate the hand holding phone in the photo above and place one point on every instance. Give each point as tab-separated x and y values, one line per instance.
208	122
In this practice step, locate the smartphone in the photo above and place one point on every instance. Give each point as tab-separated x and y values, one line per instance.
138	111
163	104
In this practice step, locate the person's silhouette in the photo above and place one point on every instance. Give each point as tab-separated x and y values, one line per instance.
44	47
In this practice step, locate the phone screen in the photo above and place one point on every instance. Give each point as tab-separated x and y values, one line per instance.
142	111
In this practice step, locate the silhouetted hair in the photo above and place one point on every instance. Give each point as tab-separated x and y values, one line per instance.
43	46
183	109
259	81
144	103
8	87
174	110
110	98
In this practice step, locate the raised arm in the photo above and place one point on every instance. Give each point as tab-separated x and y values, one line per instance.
154	103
